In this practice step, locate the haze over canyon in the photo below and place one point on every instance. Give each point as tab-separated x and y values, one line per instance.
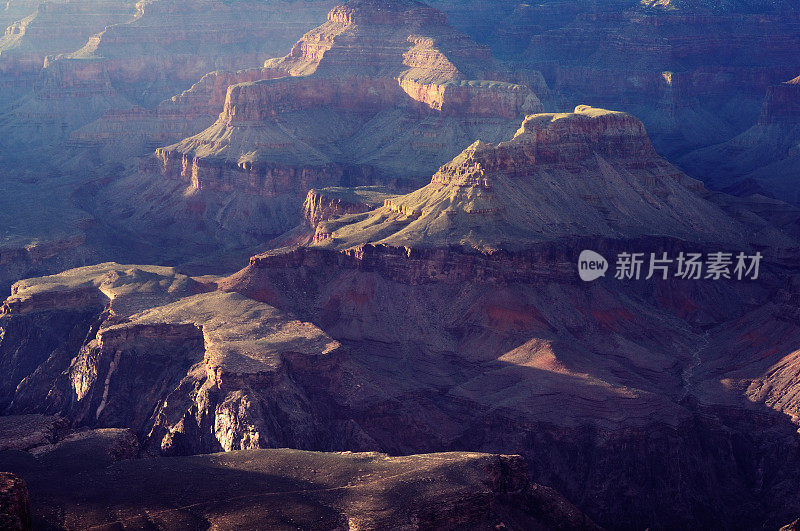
314	264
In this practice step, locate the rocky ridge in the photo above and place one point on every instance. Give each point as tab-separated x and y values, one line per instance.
591	173
674	67
156	331
333	112
308	489
763	159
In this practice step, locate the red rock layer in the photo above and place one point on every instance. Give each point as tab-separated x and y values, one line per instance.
260	178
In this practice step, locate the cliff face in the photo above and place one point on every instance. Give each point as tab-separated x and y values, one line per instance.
196	108
682	69
782	103
57	27
208	370
588	173
764	158
368	64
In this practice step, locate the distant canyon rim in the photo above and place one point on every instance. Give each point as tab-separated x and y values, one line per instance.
327	252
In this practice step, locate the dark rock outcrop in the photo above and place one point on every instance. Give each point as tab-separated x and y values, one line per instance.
454	490
15	512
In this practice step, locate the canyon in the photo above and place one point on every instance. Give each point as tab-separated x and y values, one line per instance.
693	72
763	159
438	321
367	218
381	94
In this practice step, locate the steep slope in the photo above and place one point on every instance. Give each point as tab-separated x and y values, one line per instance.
766	156
467	326
382	93
591	173
693	71
57	27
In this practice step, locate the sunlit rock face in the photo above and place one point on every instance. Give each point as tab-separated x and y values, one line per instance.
381	93
590	173
467	324
371	63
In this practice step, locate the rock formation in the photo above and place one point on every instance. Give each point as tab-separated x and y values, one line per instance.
311	490
57	27
324	204
15	510
382	93
765	158
370	59
693	71
592	173
46	236
155	335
